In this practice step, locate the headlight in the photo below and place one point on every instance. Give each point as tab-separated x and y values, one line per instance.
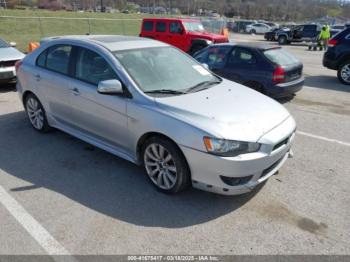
209	42
229	148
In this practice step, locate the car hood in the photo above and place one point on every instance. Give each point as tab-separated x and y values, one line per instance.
10	53
228	110
208	35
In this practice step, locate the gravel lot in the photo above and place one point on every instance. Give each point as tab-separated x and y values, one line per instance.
91	202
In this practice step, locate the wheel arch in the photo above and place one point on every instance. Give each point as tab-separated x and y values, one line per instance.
25	95
149	135
343	59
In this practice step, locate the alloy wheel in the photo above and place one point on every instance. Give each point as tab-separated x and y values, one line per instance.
160	166
35	113
345	73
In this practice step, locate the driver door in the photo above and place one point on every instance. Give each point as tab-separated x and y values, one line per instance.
100	116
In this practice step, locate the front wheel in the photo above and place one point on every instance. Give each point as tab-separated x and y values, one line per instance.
282	40
344	73
36	114
165	165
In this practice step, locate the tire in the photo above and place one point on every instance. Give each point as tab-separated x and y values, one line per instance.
282	40
253	31
36	114
165	165
195	49
344	73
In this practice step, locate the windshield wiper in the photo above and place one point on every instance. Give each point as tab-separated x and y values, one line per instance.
165	91
203	85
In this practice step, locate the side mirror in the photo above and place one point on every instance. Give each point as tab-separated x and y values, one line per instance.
205	66
110	87
13	44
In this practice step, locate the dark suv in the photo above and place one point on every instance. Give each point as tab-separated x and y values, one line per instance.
337	56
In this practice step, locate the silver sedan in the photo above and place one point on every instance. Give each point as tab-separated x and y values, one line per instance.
154	105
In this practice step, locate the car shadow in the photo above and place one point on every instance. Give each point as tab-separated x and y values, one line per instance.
101	181
326	82
7	87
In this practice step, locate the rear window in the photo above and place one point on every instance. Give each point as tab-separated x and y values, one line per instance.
281	57
148	26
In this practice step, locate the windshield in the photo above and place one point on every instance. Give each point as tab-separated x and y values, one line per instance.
3	44
281	57
193	26
163	68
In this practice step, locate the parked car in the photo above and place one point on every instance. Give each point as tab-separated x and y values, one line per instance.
258	28
151	104
188	35
299	33
239	26
272	25
264	68
337	56
9	55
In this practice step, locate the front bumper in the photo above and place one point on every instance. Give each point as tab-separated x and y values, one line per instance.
7	73
207	169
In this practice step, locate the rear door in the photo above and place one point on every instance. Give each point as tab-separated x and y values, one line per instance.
241	65
309	32
53	77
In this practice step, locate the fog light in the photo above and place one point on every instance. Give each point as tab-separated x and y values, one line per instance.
235	181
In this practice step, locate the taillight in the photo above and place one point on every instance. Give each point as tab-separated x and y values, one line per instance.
18	64
278	75
332	42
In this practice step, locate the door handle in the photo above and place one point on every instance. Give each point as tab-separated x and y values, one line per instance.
75	91
37	77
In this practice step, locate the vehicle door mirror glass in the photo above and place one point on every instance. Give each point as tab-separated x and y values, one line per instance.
13	44
110	87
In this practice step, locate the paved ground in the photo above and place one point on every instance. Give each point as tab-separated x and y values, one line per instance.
64	196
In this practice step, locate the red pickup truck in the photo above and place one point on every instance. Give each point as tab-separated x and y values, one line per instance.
188	35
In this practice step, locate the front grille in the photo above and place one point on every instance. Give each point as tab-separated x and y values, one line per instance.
268	170
8	63
283	142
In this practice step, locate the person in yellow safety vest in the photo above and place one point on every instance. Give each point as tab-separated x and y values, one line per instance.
324	36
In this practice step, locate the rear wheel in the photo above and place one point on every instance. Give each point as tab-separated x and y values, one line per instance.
36	114
196	48
344	73
165	165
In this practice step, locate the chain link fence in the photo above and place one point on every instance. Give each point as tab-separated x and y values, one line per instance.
22	29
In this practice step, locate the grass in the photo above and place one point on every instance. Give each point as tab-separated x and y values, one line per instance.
32	25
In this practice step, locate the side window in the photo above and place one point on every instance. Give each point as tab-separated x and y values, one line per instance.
175	28
41	60
161	27
309	27
58	58
148	26
93	68
201	57
241	56
217	55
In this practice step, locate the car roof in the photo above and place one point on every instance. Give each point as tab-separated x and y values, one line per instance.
252	45
111	42
171	19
